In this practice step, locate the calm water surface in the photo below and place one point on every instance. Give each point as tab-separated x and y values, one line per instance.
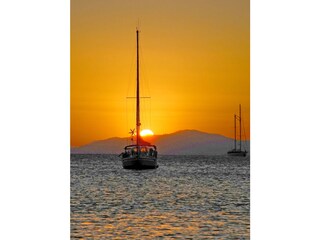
187	197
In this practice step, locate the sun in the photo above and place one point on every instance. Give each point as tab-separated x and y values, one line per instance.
146	132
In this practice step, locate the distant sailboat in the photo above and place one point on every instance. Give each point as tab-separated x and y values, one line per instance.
141	155
235	151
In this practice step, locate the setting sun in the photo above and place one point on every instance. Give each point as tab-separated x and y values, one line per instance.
186	71
146	132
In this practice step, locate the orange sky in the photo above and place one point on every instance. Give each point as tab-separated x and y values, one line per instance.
195	65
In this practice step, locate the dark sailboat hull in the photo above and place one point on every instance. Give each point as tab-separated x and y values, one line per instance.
237	153
139	163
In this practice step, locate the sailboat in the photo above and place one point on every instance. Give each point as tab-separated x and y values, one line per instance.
235	151
141	155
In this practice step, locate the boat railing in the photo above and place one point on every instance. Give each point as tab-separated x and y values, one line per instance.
144	151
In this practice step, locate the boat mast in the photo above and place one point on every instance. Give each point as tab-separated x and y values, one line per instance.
240	123
235	131
138	93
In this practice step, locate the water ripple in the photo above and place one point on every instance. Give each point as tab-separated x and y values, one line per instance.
195	197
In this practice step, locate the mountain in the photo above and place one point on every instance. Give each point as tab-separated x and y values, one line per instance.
185	142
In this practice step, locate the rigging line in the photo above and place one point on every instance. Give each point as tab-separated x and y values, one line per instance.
145	116
130	118
143	122
127	118
144	72
132	63
142	76
145	113
147	87
150	113
244	131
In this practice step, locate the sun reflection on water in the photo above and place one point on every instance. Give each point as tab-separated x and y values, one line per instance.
181	199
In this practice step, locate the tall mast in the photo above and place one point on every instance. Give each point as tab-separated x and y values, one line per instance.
235	131
138	93
240	123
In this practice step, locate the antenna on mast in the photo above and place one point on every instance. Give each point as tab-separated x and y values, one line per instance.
138	25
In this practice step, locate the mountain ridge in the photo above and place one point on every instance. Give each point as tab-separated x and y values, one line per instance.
182	142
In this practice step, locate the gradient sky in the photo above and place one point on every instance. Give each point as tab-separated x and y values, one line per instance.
195	65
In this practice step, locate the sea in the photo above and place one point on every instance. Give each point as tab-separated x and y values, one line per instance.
187	197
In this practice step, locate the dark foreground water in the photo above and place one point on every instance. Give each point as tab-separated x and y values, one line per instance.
187	197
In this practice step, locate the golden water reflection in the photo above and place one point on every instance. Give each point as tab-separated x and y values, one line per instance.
181	199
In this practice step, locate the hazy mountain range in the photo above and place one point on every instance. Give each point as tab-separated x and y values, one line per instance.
186	142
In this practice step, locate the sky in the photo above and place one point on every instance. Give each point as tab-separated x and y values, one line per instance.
194	66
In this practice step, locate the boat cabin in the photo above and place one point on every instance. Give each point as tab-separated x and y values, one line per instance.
141	151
